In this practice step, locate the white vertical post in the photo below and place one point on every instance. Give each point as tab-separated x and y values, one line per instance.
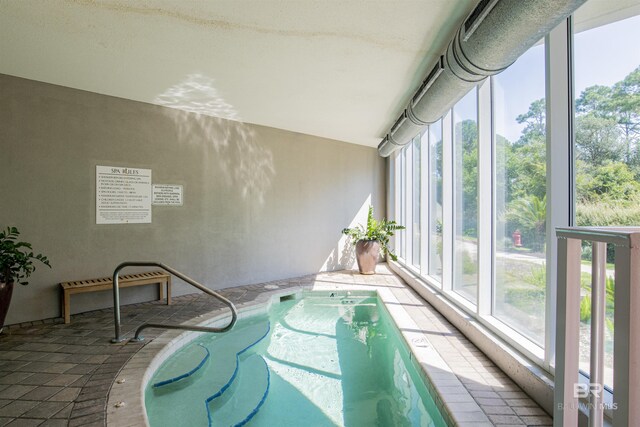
397	190
485	199
402	194
408	204
559	104
391	192
425	172
565	410
447	202
626	353
596	372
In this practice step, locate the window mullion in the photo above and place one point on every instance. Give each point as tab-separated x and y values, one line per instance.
408	206
425	173
559	132
397	170
447	202
485	199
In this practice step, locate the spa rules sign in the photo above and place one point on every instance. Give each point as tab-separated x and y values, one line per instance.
123	195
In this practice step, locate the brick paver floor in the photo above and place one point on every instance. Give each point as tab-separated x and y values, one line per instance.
52	374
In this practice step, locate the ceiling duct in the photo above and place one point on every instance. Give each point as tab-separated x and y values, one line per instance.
492	37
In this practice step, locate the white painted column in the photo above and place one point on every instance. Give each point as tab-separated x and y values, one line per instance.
425	173
447	202
397	241
407	221
485	199
598	303
626	347
559	100
565	408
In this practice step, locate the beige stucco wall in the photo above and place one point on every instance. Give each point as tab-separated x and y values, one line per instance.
259	203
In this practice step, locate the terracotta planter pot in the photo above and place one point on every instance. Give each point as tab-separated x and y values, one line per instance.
367	253
6	290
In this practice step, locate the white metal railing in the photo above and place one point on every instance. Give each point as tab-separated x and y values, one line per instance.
625	407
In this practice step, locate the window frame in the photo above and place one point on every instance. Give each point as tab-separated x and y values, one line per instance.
559	98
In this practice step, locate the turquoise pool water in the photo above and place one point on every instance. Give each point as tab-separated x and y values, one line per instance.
315	361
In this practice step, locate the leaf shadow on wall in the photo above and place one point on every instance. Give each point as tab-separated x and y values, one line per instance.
246	164
343	255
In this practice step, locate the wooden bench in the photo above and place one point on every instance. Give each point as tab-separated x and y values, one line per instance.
106	283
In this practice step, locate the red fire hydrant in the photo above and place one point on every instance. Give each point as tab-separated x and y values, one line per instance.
517	238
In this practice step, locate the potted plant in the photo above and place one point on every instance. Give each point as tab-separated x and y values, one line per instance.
370	240
16	265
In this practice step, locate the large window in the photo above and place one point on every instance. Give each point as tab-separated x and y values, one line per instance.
607	155
487	185
465	169
520	194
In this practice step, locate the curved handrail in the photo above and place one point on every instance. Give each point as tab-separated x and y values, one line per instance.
116	303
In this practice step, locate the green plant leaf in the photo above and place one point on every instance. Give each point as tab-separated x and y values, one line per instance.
376	230
16	258
585	308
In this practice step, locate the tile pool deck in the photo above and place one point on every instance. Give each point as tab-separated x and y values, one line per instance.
52	374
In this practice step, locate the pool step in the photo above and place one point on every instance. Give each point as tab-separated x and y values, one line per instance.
180	370
226	385
245	396
185	398
194	356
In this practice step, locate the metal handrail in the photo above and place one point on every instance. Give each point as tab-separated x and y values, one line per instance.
116	303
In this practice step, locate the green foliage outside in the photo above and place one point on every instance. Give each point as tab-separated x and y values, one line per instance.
531	214
607	213
607	180
607	151
608	155
467	130
607	137
585	302
525	287
469	266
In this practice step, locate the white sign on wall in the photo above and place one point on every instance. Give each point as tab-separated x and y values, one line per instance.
123	195
167	195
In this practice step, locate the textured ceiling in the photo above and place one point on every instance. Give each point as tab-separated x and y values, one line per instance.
339	69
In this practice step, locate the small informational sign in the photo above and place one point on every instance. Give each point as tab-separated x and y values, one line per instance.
167	195
123	195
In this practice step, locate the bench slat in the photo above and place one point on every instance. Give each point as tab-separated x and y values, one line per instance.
106	283
123	279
